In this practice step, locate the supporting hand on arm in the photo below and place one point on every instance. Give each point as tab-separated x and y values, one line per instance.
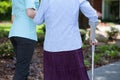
30	12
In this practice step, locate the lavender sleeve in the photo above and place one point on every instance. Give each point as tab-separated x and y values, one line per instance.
88	11
13	11
40	15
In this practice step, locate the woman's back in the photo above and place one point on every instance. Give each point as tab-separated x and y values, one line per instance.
61	19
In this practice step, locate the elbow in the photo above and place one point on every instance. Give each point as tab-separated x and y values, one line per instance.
37	21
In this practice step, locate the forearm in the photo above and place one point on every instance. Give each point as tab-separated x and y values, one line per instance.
91	14
12	18
31	12
93	26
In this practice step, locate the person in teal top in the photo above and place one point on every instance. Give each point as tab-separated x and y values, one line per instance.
23	35
23	26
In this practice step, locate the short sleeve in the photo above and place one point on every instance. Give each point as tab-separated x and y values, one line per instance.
37	4
13	11
30	3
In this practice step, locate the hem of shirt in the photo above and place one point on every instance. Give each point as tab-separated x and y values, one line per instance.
65	50
22	37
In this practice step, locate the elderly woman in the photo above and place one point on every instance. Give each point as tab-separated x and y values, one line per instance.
63	56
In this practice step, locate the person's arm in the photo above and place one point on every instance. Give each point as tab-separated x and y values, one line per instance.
30	8
39	17
13	12
93	26
12	18
91	14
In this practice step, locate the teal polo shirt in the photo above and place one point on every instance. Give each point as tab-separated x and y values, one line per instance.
23	26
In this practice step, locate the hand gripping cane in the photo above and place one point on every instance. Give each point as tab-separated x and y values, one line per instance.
93	28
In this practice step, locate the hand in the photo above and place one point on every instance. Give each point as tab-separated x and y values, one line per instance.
12	18
31	12
93	43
